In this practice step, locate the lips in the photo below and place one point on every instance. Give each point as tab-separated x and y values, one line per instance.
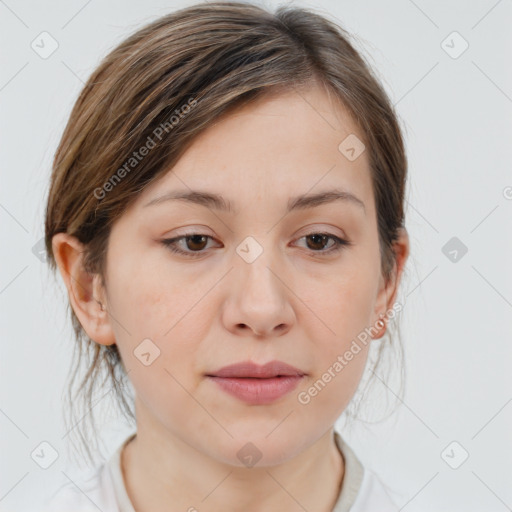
248	369
257	384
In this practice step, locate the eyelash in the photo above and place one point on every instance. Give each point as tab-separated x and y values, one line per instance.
170	243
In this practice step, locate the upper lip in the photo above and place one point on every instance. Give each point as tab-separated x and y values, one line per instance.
249	369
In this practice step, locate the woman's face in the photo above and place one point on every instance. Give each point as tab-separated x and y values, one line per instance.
260	286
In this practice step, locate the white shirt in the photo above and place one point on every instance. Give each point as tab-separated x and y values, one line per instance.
361	489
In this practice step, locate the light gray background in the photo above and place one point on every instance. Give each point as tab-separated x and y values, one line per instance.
457	326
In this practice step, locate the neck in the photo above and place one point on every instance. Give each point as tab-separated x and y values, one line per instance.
167	474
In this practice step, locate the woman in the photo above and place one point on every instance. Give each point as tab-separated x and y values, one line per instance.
226	211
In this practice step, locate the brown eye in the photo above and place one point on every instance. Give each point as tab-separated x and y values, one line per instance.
196	242
192	245
317	242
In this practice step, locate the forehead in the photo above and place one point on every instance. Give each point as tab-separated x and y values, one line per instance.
283	144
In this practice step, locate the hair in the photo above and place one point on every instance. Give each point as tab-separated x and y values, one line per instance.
179	74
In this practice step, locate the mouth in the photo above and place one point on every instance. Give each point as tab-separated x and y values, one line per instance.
257	384
257	390
248	369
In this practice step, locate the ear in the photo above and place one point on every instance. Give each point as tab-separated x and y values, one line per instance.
85	291
388	291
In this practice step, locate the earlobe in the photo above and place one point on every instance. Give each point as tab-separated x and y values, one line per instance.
84	289
382	325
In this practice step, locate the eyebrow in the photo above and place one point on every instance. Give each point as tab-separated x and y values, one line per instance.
218	202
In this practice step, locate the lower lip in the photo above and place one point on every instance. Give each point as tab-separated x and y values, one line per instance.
258	391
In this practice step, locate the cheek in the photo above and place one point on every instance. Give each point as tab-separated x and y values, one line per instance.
146	298
164	307
342	307
342	310
334	386
339	355
150	306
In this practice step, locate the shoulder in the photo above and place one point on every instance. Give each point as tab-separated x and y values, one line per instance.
100	489
92	493
373	495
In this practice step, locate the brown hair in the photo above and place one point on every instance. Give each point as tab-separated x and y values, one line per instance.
177	75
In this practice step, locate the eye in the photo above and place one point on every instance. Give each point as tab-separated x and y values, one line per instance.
319	241
195	243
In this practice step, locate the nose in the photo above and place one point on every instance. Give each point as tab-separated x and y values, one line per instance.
258	301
